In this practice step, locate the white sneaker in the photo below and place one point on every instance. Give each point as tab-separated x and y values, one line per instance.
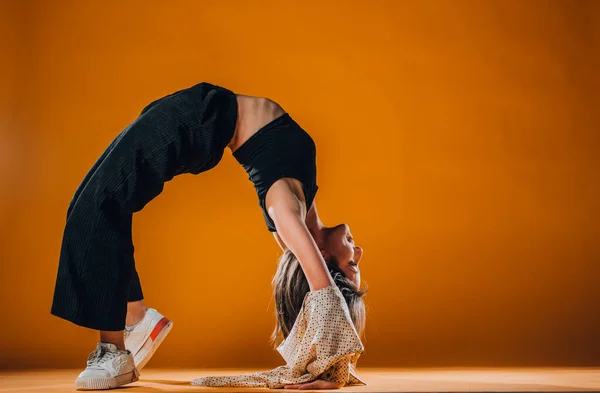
143	340
107	368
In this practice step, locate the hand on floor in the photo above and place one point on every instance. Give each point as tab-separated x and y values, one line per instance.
316	384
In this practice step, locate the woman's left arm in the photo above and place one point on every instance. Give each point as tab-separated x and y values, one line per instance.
313	223
288	211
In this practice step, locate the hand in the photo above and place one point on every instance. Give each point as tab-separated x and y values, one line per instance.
316	384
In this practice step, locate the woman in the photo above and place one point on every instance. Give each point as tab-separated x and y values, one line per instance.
97	285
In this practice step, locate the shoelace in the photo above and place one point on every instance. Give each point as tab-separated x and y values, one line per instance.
100	355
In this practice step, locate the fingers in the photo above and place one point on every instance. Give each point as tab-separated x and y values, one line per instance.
318	384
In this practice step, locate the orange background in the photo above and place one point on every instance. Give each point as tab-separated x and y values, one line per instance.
459	139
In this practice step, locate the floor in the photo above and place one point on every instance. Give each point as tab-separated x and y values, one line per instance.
378	380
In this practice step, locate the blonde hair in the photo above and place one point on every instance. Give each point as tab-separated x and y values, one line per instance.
290	286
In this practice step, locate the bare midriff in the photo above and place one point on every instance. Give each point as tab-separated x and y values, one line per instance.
253	114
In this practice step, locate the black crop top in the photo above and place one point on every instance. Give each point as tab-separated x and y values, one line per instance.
279	149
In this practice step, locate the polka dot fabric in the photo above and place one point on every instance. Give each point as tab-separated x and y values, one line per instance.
323	344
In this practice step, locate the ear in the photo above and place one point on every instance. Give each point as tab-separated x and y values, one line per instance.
325	254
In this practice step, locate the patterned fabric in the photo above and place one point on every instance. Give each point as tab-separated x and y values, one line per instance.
323	344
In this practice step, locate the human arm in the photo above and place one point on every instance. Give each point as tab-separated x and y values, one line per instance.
287	209
313	223
316	384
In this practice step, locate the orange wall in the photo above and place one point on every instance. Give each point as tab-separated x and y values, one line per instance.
459	139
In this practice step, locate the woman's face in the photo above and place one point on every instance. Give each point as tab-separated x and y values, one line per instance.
339	244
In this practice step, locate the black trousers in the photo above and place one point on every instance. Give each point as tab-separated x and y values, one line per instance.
185	132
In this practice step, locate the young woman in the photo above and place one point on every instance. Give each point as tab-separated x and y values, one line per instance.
97	284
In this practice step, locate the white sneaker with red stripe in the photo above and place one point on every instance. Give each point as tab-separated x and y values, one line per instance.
145	337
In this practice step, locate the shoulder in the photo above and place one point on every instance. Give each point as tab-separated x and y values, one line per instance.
287	187
286	194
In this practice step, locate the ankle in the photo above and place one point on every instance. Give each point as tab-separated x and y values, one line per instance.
136	311
115	338
134	318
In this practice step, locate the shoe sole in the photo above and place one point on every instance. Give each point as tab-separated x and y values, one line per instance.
106	383
159	333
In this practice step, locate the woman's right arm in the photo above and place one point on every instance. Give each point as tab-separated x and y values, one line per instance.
288	212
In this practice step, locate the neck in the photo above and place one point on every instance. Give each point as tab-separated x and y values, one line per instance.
317	230
315	226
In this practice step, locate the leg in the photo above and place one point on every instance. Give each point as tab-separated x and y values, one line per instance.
135	312
92	286
136	308
115	338
92	171
145	328
185	132
95	268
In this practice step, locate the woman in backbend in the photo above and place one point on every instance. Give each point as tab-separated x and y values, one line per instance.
97	284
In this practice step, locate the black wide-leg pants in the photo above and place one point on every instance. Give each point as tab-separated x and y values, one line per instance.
185	132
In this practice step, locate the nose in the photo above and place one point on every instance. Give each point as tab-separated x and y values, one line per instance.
358	253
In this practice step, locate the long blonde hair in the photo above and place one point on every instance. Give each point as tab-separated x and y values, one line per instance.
290	287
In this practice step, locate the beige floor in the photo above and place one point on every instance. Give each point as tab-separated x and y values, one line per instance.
378	380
